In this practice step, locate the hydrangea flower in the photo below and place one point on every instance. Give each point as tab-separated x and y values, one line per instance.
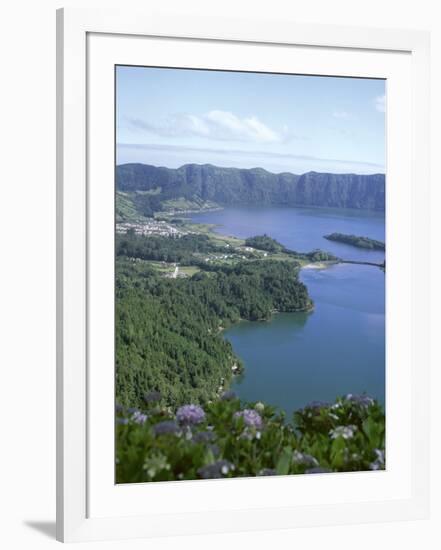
156	464
251	418
204	437
122	421
260	407
379	462
190	414
346	432
139	417
152	397
361	400
316	405
305	459
228	395
166	427
313	408
215	470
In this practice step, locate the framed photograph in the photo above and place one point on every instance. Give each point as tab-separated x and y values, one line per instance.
234	350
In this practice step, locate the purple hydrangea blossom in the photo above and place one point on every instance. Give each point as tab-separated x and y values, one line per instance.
228	395
152	397
305	459
139	417
361	400
317	405
313	408
379	462
346	432
190	414
215	470
122	421
251	418
166	427
204	437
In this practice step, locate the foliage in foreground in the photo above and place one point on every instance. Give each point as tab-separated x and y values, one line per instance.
225	439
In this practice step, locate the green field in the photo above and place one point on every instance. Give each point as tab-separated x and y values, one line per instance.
185	205
189	270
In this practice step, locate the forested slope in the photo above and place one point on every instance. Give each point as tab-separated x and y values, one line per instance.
167	330
150	186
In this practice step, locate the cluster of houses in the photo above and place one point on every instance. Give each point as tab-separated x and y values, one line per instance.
151	227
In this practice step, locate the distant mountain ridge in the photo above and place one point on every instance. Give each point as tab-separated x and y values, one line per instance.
256	186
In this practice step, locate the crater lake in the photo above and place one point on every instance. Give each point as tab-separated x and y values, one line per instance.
337	348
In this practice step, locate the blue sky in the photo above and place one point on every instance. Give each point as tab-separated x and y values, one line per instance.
283	123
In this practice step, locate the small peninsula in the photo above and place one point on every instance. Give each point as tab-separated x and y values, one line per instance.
268	244
354	240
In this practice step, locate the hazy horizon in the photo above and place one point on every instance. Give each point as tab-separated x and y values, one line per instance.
252	168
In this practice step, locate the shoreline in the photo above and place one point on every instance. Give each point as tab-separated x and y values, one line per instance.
174	213
319	265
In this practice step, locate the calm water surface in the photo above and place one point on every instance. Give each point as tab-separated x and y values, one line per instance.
340	346
301	229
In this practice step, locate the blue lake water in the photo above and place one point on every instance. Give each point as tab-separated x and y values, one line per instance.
301	229
337	348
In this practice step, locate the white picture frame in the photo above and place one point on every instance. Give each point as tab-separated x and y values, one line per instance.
78	409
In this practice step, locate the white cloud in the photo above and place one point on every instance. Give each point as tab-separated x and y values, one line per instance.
380	103
216	125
